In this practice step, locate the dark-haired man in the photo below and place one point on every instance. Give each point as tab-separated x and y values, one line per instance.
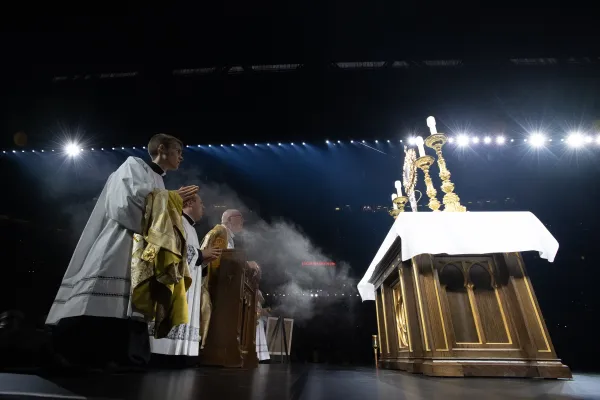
92	311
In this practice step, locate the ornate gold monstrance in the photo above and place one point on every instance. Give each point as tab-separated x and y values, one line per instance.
409	175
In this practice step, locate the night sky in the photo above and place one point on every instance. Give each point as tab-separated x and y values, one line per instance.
47	196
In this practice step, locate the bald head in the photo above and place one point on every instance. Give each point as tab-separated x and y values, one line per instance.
234	220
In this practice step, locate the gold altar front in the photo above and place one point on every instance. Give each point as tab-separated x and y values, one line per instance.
464	315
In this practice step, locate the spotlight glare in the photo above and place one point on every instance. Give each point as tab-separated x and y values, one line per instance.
210	145
134	147
268	144
388	140
327	141
339	141
575	139
255	144
292	143
33	151
199	146
352	141
598	139
487	140
222	146
463	140
102	149
72	149
280	144
122	148
500	140
589	139
376	141
512	140
14	151
411	140
475	140
451	140
363	141
303	143
232	145
145	147
92	149
42	151
245	145
537	139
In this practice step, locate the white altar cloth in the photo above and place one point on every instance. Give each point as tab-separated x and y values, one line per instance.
462	233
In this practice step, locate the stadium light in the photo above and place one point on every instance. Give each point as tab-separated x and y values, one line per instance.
463	140
537	139
72	149
575	139
500	140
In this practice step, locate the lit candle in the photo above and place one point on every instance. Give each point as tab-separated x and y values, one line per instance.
431	125
398	185
420	144
394	195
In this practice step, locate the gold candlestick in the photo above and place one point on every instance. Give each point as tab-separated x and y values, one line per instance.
425	163
451	199
375	346
400	202
394	213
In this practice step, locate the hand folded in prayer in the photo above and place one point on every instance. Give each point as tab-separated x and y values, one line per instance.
188	192
211	254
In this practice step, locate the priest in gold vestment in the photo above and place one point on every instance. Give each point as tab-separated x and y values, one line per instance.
220	237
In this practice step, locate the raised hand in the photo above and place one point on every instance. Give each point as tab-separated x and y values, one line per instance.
188	192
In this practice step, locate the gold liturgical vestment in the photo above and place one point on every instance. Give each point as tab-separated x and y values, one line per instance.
159	272
216	238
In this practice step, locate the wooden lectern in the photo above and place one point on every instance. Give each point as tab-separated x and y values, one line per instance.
231	337
463	315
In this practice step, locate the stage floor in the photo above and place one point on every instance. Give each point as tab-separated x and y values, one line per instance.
314	382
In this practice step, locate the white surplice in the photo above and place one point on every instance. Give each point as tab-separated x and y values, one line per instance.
184	339
98	278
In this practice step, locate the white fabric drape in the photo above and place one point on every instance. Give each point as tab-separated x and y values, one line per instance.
98	279
262	350
184	339
463	233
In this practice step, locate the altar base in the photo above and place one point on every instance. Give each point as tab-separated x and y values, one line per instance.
462	315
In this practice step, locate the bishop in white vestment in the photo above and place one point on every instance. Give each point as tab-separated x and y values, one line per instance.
184	339
91	312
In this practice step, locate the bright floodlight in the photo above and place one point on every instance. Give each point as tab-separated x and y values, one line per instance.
412	140
451	140
377	141
500	140
72	149
487	140
463	140
327	141
303	143
537	139
352	141
476	140
598	139
575	139
279	144
589	139
339	141
388	140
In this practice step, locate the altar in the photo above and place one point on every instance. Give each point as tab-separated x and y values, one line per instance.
453	297
451	290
